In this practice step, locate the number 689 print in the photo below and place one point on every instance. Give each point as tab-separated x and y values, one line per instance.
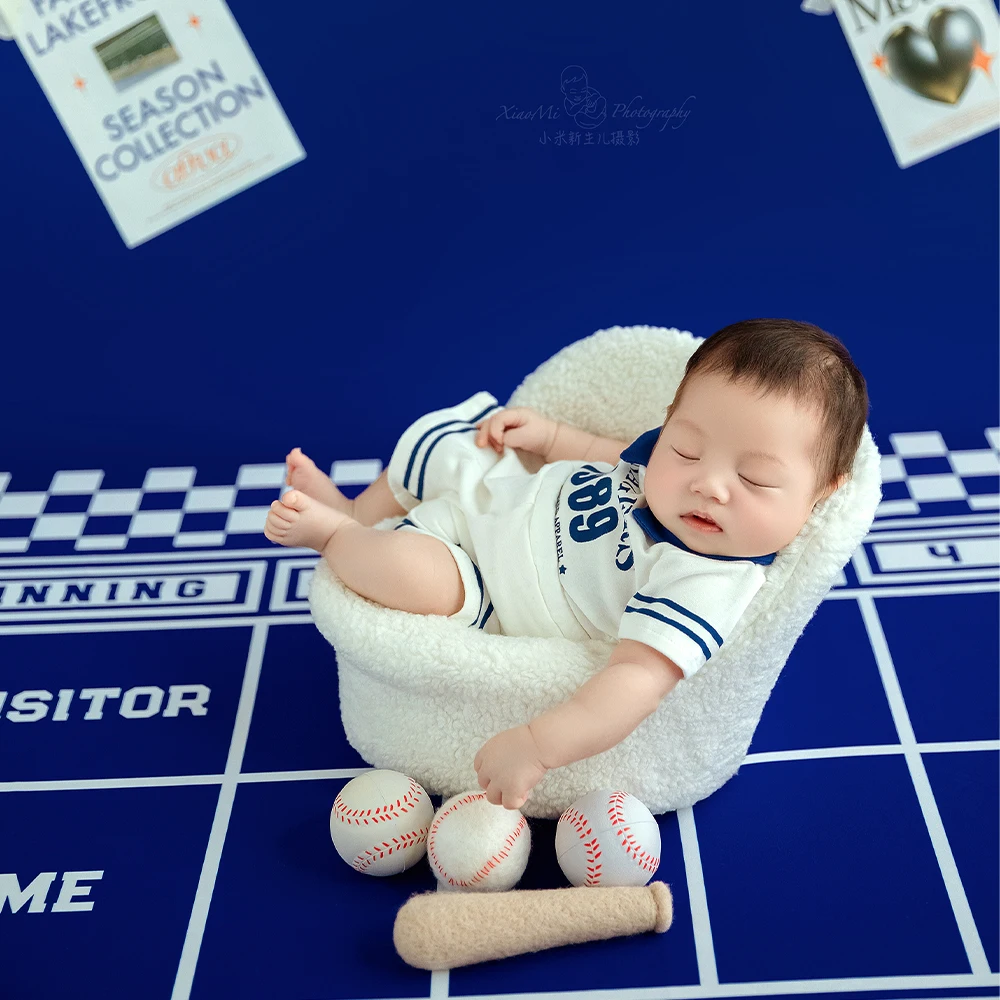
594	490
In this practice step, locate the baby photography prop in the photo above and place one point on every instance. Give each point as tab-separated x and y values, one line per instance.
930	69
379	822
122	83
439	931
608	838
419	695
476	846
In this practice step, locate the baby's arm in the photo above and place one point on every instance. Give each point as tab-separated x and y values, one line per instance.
599	716
570	442
523	427
608	707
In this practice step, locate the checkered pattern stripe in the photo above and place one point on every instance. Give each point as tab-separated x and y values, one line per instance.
920	476
167	512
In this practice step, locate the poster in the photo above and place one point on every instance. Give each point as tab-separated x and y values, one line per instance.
166	105
930	69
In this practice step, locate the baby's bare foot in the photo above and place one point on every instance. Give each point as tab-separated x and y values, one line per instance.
298	520
304	475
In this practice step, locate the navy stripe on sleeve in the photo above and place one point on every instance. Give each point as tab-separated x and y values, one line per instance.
684	611
677	625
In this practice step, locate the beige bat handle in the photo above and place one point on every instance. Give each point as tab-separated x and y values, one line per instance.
444	930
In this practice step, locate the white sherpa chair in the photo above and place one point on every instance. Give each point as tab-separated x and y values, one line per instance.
421	695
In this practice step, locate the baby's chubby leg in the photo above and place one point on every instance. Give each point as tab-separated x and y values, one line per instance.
397	569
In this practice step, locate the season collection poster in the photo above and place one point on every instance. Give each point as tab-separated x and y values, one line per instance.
167	107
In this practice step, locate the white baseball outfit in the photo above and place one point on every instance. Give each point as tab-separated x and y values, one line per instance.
571	550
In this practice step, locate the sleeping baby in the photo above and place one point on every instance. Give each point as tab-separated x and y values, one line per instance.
517	524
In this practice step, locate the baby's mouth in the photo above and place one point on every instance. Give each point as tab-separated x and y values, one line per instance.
700	522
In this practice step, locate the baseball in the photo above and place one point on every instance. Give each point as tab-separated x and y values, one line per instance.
477	846
608	838
379	822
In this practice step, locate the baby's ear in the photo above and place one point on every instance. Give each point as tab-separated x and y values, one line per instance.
833	487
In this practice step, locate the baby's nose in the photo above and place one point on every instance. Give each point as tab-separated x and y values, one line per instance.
711	486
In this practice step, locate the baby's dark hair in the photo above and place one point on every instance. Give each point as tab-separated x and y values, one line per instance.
790	358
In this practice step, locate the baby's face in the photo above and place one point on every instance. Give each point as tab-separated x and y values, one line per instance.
704	462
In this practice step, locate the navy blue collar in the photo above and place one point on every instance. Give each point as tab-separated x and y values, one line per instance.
638	453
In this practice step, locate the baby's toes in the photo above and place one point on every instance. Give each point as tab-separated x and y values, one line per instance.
294	501
283	521
293	460
281	514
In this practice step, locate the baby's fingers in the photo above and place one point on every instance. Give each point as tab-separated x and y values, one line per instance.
493	794
490	433
513	801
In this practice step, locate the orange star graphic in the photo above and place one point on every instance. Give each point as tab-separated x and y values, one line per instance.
879	61
194	21
982	60
79	83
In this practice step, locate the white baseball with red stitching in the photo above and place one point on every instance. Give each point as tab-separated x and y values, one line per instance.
379	822
608	838
476	846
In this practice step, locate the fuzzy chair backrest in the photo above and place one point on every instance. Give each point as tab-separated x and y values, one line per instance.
622	381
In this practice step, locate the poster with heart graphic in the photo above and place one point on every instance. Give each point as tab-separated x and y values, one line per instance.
167	107
930	69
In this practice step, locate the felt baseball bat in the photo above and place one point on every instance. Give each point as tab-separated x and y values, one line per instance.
444	930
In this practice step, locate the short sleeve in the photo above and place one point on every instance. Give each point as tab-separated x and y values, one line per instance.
689	605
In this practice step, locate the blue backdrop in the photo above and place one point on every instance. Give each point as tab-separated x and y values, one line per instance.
429	245
434	242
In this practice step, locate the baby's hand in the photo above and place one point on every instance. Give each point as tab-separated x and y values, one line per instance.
509	766
520	427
